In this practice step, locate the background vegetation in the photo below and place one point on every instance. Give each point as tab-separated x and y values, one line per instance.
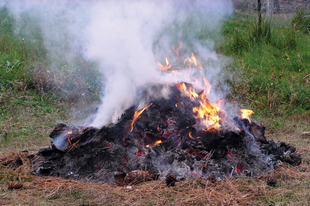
270	72
35	90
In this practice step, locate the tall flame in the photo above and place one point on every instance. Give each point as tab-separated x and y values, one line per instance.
207	86
176	50
191	60
246	113
208	112
136	115
188	91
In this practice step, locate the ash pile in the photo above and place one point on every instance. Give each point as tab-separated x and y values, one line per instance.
166	138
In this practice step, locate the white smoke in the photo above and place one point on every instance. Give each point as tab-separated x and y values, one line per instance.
121	39
126	38
62	24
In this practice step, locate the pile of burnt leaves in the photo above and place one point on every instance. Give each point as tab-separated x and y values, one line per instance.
162	140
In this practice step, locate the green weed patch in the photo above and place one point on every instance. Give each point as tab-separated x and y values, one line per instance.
271	71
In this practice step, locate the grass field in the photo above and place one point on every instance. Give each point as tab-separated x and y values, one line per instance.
269	74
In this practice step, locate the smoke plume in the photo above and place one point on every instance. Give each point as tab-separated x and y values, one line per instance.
127	38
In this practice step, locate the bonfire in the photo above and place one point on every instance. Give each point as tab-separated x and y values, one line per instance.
179	136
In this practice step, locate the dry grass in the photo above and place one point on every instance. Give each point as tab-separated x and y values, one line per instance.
236	191
292	186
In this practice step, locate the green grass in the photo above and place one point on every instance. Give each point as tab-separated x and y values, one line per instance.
37	92
270	73
26	119
26	65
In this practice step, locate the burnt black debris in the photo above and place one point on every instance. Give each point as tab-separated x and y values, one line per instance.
166	140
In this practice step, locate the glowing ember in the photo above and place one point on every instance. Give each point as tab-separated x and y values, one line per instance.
156	143
136	115
230	154
158	129
164	67
190	135
69	132
140	152
246	113
238	167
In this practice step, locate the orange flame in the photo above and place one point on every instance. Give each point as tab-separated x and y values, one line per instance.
136	115
207	86
69	132
191	60
190	135
176	72
158	142
176	50
69	141
155	144
246	113
208	112
189	92
164	67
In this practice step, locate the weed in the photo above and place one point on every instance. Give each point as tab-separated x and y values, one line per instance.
53	197
172	199
78	195
8	176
